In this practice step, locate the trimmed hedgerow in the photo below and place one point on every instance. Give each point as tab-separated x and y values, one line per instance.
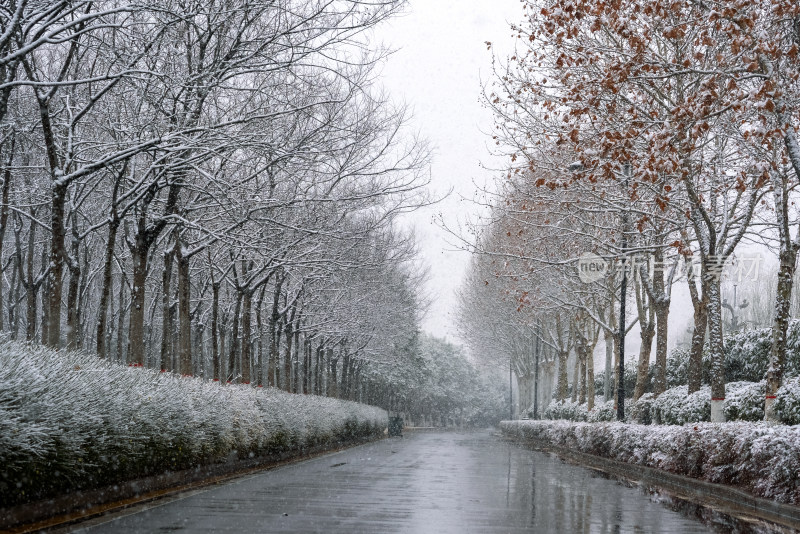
760	458
567	409
70	421
744	402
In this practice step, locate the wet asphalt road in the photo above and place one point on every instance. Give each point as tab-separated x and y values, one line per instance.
427	482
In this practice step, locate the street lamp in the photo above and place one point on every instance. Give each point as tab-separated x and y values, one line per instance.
510	392
536	377
626	171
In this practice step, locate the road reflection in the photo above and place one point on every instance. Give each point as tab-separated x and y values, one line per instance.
427	482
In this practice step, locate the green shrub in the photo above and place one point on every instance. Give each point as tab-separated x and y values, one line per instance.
676	407
787	402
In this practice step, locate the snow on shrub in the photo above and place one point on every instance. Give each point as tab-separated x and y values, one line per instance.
676	407
603	411
787	402
640	410
747	353
71	421
744	401
761	458
571	411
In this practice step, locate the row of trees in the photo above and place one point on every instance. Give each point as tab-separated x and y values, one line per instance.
436	385
658	136
207	187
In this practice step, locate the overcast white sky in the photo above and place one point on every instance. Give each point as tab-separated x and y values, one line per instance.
437	68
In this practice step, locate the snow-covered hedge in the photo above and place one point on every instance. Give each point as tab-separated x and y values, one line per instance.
603	411
744	402
787	402
760	458
676	407
70	421
572	411
641	411
567	409
747	353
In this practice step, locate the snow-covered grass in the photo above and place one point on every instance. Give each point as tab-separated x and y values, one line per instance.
761	458
70	421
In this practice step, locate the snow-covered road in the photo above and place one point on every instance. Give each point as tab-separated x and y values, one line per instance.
437	482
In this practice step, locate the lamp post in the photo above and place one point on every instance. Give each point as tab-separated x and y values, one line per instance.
626	170
510	392
536	378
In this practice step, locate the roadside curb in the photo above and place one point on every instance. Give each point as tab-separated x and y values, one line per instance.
81	505
726	499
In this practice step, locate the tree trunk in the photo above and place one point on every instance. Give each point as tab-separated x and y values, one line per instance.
590	374
4	208
105	292
777	359
306	365
563	386
234	344
274	318
31	288
716	351
222	347
184	312
333	379
525	389
139	255
700	306
247	305
273	348
576	377
661	306
318	371
260	347
73	312
167	313
13	298
121	323
57	254
660	379
345	373
608	337
287	358
642	371
32	308
45	307
298	377
215	331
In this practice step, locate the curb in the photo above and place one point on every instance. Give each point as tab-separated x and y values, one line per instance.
726	499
